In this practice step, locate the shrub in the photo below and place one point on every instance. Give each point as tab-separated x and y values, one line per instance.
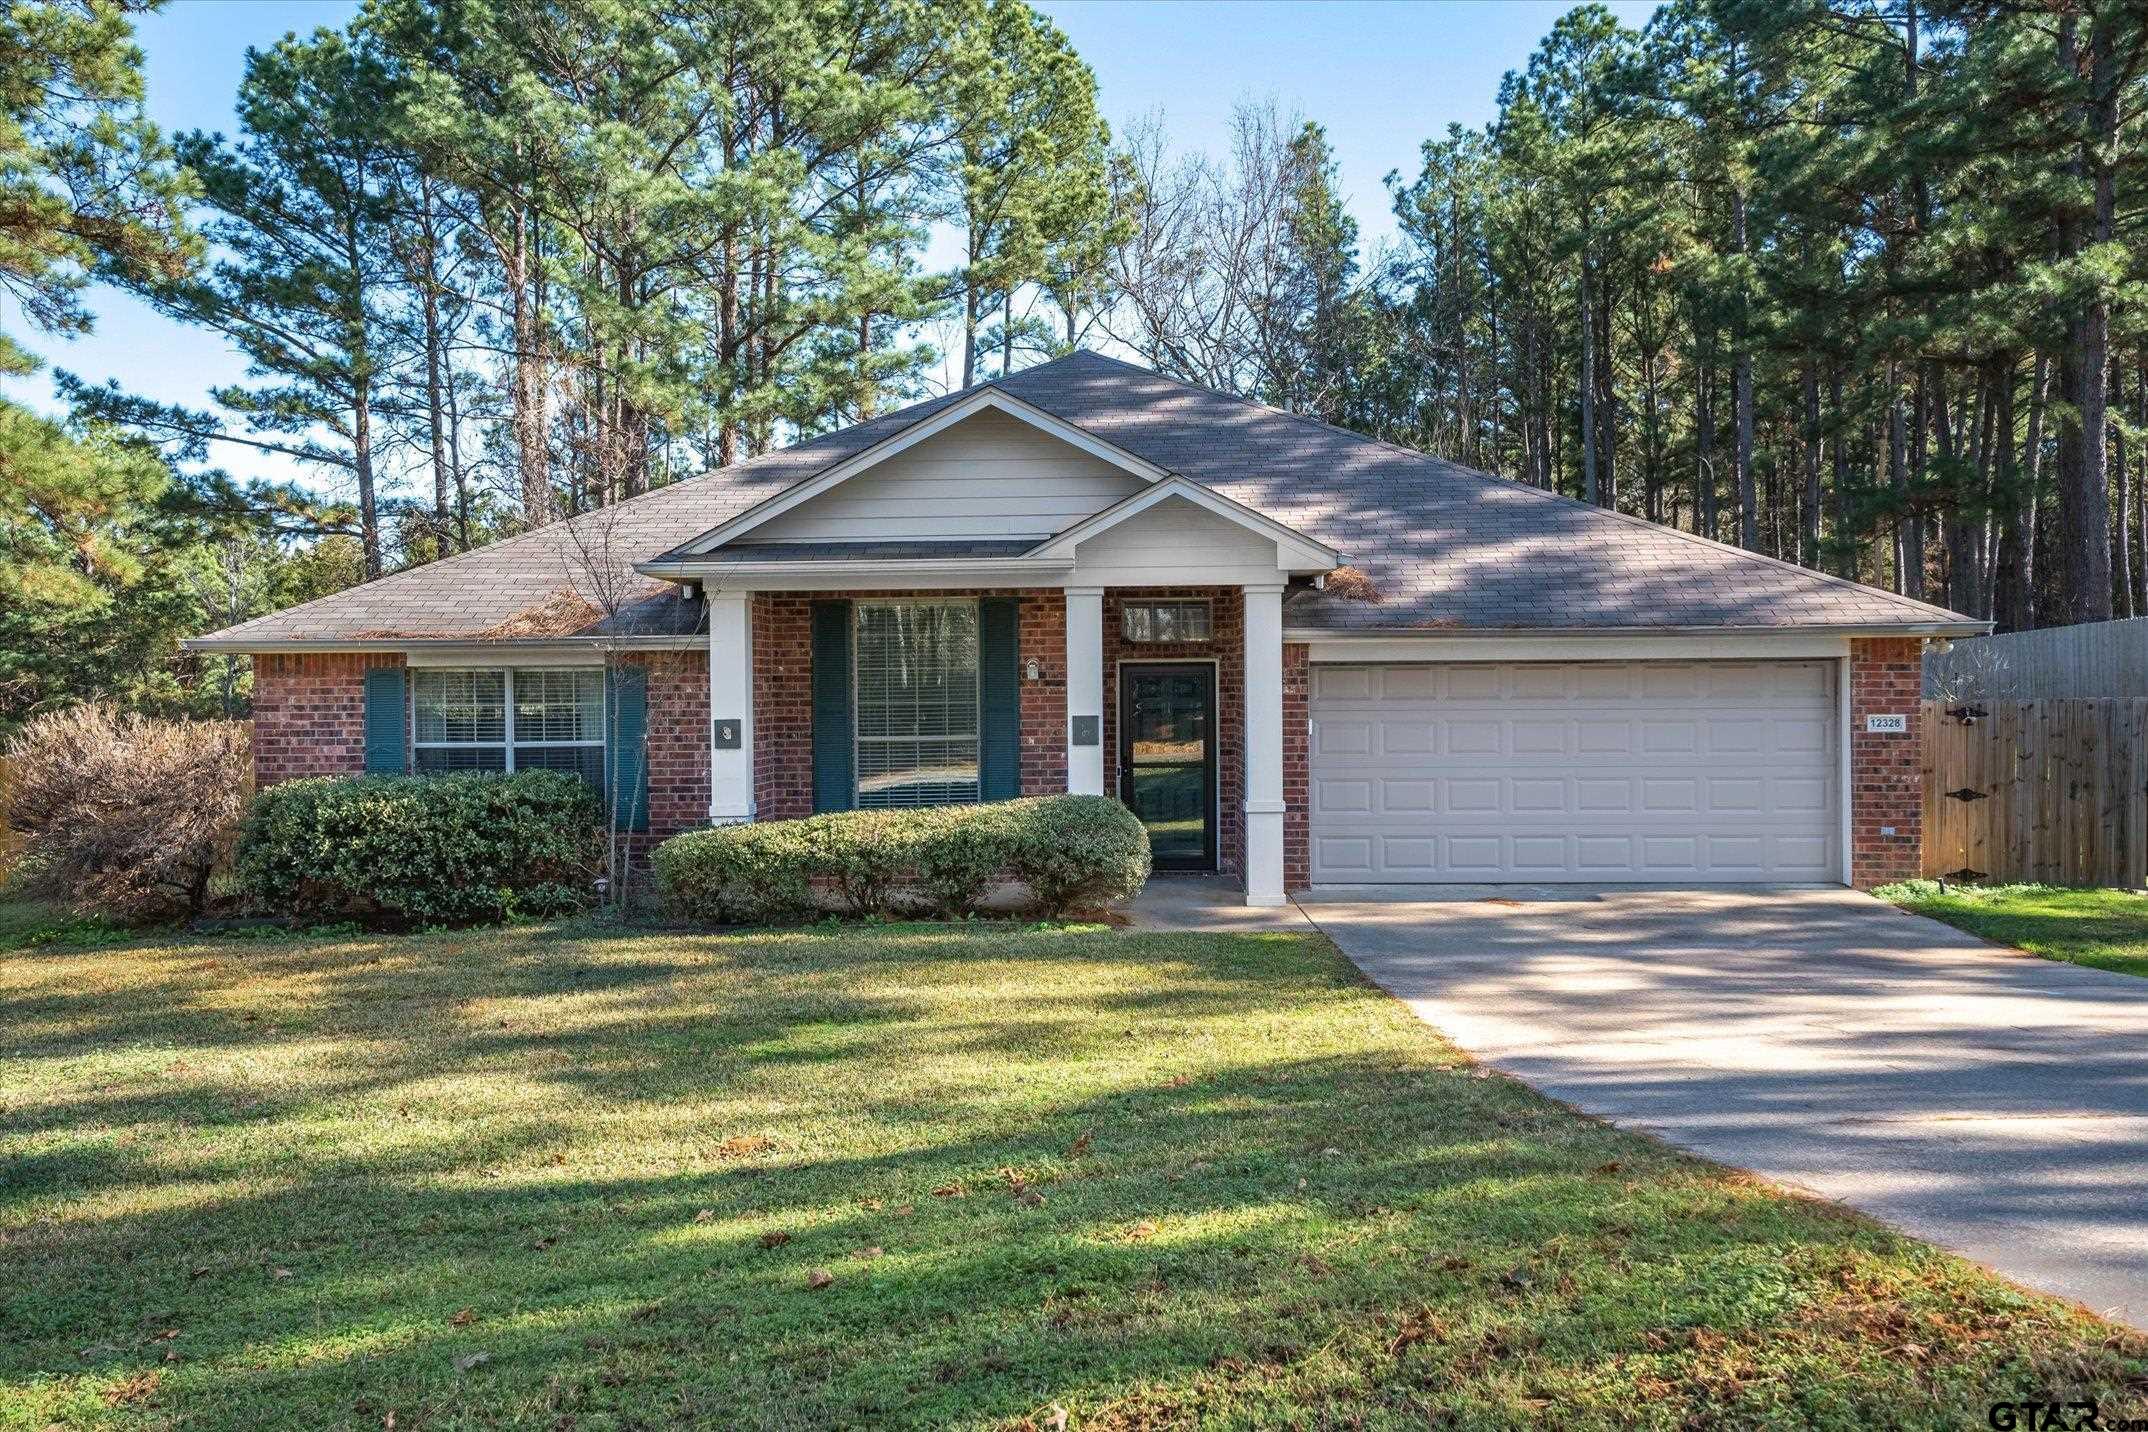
737	874
124	814
1072	851
1078	852
418	849
863	854
963	852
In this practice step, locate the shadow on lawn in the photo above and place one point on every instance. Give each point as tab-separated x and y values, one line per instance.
1231	1231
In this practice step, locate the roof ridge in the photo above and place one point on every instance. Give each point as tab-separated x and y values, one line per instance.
1462	470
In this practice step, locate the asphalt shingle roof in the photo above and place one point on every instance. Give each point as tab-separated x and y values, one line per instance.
1445	548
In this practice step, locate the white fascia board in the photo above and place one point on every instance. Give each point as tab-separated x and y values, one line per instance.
862	576
1295	552
1783	646
986	398
454	651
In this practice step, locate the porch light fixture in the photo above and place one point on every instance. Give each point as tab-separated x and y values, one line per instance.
1033	669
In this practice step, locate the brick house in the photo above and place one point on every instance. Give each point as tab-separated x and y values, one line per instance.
1301	656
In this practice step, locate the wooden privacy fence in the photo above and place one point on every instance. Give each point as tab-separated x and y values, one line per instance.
2053	791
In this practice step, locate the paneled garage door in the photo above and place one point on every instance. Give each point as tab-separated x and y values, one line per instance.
1637	771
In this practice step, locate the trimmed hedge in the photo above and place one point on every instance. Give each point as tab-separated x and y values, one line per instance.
1073	852
421	849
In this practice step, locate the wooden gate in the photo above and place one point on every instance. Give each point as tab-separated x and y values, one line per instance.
2053	791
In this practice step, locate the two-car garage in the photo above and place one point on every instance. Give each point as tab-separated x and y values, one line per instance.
1673	771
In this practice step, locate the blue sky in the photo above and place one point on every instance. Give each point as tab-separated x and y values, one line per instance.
1382	77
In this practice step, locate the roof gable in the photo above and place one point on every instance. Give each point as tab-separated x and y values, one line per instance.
924	430
1294	550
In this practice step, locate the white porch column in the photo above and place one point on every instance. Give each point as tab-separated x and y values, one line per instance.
730	707
1264	745
1085	690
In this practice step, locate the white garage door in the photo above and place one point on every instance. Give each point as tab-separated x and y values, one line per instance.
1636	771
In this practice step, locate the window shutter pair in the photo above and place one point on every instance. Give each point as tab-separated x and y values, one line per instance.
626	764
999	691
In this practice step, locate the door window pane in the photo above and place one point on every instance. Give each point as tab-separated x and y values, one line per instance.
1166	621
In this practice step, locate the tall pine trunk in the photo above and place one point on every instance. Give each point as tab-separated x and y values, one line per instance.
2084	549
1742	394
1845	544
1909	531
1704	513
1588	384
532	382
1810	530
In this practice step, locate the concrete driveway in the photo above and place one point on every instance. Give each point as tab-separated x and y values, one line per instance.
1987	1101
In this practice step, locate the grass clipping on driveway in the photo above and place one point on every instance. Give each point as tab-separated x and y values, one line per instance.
926	1176
2102	929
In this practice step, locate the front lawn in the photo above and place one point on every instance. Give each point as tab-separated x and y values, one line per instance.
2104	929
581	1177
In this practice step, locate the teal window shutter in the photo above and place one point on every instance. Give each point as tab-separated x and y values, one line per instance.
384	721
626	745
999	698
834	735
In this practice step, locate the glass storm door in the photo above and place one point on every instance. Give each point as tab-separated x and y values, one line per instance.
1167	760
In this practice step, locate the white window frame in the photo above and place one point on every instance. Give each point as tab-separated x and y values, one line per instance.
857	742
1205	603
507	725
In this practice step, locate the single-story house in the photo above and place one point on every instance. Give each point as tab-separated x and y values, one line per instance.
1303	657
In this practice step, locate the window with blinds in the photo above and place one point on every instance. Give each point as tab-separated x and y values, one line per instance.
459	720
520	720
559	722
916	698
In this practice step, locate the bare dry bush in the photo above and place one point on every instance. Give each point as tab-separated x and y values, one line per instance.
123	814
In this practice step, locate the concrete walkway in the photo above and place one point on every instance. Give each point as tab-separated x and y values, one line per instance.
1987	1101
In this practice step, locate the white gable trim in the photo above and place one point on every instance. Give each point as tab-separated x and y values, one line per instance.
879	452
1295	552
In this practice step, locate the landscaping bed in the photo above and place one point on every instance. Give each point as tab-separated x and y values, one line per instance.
576	1175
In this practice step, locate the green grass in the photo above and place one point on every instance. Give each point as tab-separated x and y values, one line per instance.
2103	929
579	1176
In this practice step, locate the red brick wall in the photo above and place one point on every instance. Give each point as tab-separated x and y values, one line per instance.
782	706
1297	766
309	714
783	693
1886	780
1227	649
678	739
309	720
1044	702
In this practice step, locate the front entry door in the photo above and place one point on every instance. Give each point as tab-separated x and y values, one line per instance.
1167	760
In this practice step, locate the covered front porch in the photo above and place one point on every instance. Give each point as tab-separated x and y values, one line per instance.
1168	698
995	603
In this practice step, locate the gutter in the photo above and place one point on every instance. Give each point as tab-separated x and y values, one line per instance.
1392	634
532	646
689	569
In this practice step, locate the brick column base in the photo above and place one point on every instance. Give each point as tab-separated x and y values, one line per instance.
1886	770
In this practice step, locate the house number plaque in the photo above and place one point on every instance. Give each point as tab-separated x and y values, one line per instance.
1085	731
727	735
1894	725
